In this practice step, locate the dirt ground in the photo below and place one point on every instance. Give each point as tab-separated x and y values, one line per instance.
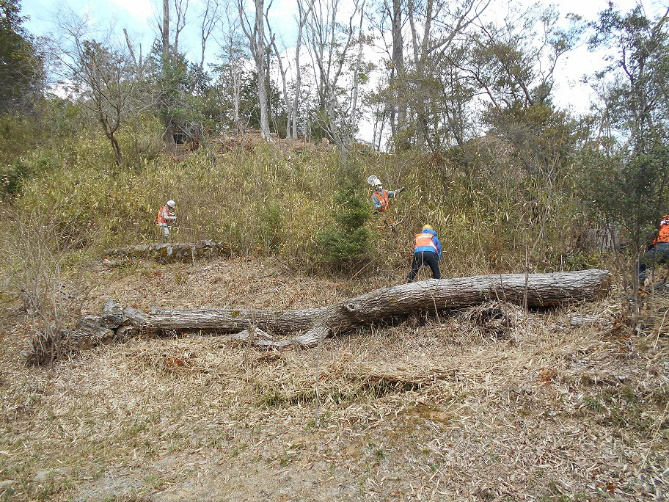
431	408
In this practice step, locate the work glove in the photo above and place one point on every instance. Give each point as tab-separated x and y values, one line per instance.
400	190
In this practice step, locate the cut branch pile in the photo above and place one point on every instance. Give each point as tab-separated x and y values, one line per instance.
259	327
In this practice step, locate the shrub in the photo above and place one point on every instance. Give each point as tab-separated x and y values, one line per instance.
344	244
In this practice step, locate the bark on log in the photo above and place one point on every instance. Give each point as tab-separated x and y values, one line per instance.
257	327
541	290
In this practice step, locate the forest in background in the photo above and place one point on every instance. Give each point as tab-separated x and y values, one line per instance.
464	118
491	402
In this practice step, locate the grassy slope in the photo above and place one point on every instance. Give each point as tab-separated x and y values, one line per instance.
424	410
275	199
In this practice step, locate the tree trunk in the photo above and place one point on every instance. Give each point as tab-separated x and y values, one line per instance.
543	290
166	29
256	36
118	156
398	66
262	69
252	326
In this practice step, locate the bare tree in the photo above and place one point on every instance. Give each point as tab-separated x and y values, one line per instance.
165	25
515	61
209	20
303	13
398	111
180	11
283	70
255	33
233	55
356	71
421	31
165	30
441	24
106	74
104	77
331	42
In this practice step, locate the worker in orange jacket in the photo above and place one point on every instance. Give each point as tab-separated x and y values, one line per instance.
658	252
426	251
381	197
165	217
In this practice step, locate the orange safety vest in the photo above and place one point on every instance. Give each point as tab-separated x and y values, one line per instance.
160	218
424	240
383	200
663	232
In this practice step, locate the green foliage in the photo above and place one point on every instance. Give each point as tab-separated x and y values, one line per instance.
629	167
141	140
629	190
513	198
305	207
12	176
21	78
270	226
543	139
344	244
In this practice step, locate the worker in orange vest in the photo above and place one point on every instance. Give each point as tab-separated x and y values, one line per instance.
381	197
165	217
659	250
426	251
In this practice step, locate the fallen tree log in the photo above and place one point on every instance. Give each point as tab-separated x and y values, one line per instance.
258	327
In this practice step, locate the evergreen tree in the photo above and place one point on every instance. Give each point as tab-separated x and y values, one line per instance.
345	244
21	68
632	168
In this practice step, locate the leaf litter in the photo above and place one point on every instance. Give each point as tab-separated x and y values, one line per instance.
485	403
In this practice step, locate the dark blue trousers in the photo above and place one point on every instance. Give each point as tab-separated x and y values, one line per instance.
424	258
659	253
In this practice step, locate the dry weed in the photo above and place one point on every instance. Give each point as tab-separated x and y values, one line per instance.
428	409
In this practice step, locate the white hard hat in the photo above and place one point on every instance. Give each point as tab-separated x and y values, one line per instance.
171	203
373	180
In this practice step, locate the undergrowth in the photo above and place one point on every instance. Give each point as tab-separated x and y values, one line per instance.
266	200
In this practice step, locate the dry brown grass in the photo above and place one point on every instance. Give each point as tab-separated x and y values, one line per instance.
428	409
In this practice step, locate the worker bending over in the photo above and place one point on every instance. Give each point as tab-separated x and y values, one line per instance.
426	251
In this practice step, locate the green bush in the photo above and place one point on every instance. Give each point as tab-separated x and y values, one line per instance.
344	244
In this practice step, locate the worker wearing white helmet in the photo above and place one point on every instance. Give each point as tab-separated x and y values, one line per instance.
381	197
165	217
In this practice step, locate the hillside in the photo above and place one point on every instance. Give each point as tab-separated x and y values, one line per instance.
314	170
427	409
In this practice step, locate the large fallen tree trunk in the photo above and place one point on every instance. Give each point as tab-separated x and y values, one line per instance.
254	326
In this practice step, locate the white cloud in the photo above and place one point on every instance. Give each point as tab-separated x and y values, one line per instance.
140	10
